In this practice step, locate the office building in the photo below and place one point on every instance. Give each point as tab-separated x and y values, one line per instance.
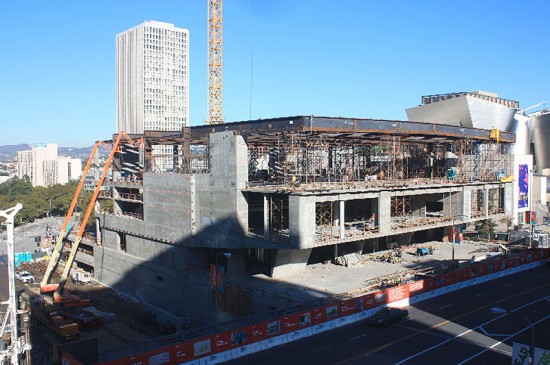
152	78
45	168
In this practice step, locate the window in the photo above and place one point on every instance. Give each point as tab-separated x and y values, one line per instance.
121	241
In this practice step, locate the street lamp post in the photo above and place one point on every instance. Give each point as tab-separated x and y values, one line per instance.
498	310
228	255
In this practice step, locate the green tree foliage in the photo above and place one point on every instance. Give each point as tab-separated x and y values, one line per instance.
15	187
485	227
40	202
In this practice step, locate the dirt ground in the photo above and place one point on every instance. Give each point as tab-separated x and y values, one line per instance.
132	324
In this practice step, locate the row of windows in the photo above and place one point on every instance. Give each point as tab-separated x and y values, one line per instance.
169	108
161	56
159	31
155	100
152	90
169	43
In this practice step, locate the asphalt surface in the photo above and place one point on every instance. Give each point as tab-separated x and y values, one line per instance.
24	236
457	328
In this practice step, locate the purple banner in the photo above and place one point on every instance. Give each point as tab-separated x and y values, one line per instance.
523	182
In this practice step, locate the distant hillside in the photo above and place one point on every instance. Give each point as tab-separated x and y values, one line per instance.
9	152
75	152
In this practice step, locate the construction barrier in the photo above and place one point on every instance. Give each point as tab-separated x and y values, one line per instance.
246	340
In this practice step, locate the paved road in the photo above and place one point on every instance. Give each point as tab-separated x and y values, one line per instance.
24	235
457	328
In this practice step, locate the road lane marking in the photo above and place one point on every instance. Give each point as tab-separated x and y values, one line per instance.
447	306
538	276
507	338
324	348
355	338
477	296
509	285
420	332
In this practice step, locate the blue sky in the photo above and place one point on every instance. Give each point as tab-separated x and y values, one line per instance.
349	58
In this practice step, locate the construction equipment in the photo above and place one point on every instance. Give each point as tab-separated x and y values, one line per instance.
215	43
65	329
60	296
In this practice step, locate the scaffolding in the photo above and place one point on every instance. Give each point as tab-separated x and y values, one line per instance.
310	161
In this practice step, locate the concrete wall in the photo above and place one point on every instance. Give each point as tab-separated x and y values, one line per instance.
168	201
221	208
160	286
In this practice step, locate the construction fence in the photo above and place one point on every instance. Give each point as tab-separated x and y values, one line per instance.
241	341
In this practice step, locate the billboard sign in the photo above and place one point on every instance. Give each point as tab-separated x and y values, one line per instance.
523	182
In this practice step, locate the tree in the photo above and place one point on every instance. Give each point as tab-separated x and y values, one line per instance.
507	220
485	227
39	202
15	187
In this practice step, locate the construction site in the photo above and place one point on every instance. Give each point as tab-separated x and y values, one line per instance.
270	197
216	226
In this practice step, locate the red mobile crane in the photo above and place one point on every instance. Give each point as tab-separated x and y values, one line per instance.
58	290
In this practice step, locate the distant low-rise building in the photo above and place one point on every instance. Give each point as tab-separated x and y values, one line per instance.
44	167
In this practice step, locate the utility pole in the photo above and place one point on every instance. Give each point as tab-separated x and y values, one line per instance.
9	214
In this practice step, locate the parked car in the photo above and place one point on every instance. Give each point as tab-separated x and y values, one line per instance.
388	315
24	276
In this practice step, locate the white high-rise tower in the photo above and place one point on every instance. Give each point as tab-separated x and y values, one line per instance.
152	78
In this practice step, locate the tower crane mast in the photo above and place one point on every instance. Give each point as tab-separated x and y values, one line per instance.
215	90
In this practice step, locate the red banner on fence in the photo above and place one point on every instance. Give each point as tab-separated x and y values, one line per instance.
416	287
183	352
450	278
258	332
369	301
482	269
350	306
291	323
397	293
221	342
318	315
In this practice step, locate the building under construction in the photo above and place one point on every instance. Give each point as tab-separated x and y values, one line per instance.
281	193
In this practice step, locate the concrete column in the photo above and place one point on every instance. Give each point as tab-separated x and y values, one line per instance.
384	213
301	217
342	218
466	197
509	200
335	214
266	217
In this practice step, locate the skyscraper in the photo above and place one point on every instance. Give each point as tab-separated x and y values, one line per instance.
152	78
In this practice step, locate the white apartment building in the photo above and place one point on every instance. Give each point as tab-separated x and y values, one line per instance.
152	78
44	167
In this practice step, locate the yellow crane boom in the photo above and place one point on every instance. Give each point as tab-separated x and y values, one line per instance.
215	43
